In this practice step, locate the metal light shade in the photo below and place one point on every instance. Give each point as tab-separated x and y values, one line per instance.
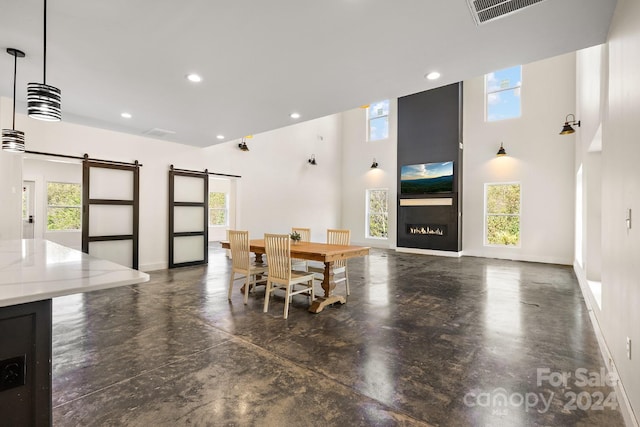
374	165
243	146
13	140
312	160
501	151
43	102
567	129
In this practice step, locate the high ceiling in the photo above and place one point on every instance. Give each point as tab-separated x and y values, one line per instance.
262	60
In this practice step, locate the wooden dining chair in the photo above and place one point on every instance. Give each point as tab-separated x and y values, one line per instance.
336	237
280	275
241	263
305	236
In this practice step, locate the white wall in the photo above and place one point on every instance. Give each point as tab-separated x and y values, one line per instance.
358	154
609	94
278	188
42	171
540	159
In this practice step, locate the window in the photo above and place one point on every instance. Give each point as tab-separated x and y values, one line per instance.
25	202
378	121
63	206
503	93
502	219
218	211
377	214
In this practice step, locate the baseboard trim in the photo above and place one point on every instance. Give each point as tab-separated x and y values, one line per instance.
429	252
626	409
153	266
517	257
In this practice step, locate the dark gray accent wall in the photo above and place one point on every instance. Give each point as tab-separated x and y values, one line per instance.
430	131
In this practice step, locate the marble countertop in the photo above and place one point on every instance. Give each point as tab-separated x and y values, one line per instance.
36	269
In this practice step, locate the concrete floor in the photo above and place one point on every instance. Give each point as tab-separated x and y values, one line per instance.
421	341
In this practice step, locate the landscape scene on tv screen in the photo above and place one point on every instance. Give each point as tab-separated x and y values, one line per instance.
427	178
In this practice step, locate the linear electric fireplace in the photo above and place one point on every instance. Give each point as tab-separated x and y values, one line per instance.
427	229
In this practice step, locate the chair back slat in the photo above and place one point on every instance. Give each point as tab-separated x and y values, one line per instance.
305	233
239	245
339	237
278	249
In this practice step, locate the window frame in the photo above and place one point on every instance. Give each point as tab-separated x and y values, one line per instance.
487	214
49	206
368	213
225	209
386	116
487	93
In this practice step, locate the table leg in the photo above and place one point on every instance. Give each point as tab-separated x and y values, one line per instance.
259	260
328	285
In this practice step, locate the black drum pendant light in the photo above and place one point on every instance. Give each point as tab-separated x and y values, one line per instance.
43	101
12	139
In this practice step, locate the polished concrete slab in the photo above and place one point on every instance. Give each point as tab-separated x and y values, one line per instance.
422	341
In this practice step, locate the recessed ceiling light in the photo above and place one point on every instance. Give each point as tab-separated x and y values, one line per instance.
194	78
294	115
220	136
433	75
125	115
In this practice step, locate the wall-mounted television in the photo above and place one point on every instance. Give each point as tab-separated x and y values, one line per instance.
427	178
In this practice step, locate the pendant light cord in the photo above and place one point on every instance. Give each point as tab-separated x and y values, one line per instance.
44	68
15	68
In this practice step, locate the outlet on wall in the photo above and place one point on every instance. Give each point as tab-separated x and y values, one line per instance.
628	348
12	372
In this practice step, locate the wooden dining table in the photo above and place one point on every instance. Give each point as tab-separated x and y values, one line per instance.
313	251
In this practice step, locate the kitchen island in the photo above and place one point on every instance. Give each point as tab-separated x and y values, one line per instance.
32	272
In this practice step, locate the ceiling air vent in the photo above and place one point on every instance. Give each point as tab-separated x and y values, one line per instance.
158	133
484	11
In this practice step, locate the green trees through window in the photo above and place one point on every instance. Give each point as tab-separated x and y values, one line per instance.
502	214
64	202
217	209
377	214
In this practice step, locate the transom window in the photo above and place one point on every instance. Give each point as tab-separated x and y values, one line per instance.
377	214
64	205
502	89
502	214
218	209
378	121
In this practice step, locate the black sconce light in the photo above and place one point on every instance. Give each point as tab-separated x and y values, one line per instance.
501	151
374	165
243	145
567	129
312	160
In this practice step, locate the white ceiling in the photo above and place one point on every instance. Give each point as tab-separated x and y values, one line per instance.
261	60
